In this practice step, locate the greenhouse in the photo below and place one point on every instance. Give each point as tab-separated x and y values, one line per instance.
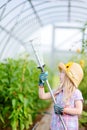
43	65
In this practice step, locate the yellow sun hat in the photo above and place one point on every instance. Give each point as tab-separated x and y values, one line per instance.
73	71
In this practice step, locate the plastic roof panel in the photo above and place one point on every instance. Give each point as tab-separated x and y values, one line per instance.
51	5
52	20
12	50
19	19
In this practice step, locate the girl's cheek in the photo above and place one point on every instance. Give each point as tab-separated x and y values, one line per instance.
62	76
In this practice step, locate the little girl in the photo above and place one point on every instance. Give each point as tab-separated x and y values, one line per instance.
68	97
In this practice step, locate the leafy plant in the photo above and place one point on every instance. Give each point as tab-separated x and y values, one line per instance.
19	101
83	119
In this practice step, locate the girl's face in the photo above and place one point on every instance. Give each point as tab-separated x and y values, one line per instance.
62	75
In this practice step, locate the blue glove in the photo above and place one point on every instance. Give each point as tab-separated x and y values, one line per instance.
42	78
58	109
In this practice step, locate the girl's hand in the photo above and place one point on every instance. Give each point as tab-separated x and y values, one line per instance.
42	78
58	109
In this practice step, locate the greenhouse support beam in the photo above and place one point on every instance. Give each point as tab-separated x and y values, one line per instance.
69	10
35	12
12	35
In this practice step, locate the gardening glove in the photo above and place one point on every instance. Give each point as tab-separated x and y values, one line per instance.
42	78
58	109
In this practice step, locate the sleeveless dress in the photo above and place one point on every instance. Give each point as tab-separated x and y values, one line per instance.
71	121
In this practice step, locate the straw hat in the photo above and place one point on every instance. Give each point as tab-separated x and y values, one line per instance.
73	71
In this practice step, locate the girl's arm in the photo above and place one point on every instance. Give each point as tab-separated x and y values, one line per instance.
46	95
42	93
75	111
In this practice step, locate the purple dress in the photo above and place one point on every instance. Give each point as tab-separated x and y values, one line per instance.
71	121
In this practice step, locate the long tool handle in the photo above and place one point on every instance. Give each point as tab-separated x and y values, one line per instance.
42	69
55	103
50	91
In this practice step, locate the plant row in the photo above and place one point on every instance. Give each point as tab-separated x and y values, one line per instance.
19	101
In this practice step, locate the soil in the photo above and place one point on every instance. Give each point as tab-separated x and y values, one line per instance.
43	122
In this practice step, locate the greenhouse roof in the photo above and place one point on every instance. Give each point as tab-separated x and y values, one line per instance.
19	19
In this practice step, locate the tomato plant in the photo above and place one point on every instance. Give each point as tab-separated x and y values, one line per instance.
19	101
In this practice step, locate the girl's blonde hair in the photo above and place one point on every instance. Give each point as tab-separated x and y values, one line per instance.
69	89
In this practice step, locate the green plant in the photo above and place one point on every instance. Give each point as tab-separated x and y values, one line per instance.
19	101
83	119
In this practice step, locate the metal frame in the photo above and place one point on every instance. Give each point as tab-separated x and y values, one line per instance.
42	13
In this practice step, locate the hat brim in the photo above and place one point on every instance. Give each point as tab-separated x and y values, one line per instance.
62	67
